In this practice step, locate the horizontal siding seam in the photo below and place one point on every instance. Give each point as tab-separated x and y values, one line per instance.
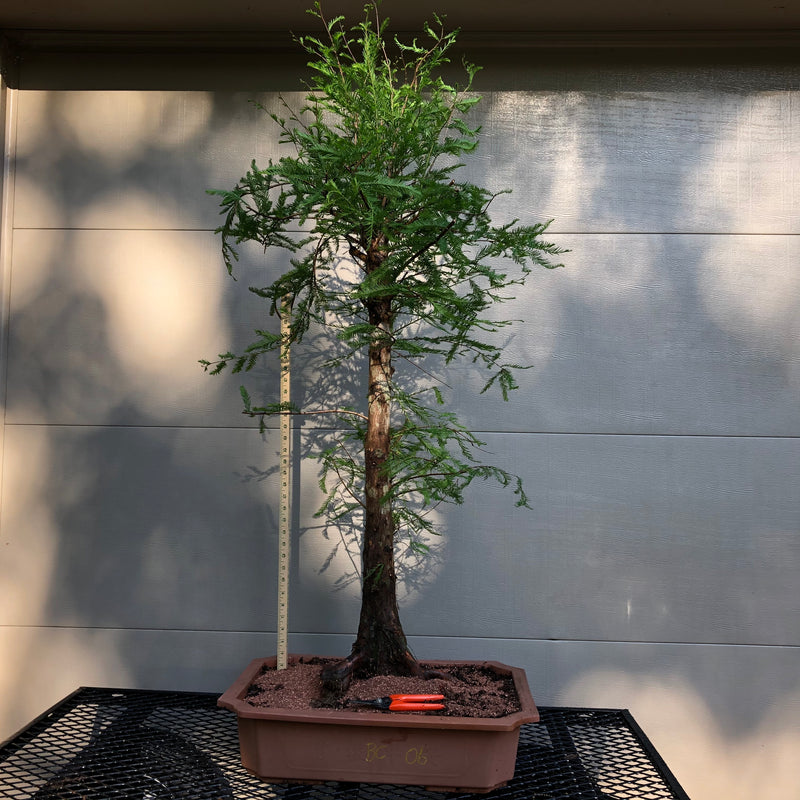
598	434
338	634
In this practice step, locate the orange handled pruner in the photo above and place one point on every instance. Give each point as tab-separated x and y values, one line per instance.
404	702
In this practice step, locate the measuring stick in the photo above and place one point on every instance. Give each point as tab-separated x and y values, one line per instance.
284	522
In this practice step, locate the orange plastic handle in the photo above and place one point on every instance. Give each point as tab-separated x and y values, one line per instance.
407	705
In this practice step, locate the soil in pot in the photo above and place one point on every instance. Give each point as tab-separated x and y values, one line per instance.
470	690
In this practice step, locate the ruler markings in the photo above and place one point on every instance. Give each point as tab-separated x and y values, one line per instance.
284	523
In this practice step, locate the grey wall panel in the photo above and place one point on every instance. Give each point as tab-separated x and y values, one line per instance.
139	527
683	161
164	528
603	161
108	328
134	159
637	334
677	539
672	539
654	334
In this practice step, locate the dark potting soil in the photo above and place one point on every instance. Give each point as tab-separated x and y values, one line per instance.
469	690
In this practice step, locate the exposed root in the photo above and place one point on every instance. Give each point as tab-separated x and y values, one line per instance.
337	677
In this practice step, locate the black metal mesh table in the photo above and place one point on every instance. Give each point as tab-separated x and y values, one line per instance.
104	744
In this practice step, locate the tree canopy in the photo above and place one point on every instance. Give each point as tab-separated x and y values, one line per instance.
395	257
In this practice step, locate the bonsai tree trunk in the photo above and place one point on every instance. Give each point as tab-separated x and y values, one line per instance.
380	641
380	646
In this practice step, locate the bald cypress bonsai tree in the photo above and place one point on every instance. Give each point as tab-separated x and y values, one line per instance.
397	259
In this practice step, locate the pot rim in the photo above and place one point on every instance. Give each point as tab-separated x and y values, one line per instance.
233	699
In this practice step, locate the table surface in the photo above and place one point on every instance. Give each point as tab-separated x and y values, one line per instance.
103	744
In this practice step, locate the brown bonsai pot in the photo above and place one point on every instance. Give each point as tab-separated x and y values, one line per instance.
443	753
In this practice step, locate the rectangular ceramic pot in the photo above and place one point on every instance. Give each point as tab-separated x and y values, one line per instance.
440	753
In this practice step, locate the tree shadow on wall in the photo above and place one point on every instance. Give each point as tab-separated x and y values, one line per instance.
329	545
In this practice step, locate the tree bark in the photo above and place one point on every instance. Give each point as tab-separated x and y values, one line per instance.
380	640
380	646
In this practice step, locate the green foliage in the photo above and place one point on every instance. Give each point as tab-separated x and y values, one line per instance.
388	248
